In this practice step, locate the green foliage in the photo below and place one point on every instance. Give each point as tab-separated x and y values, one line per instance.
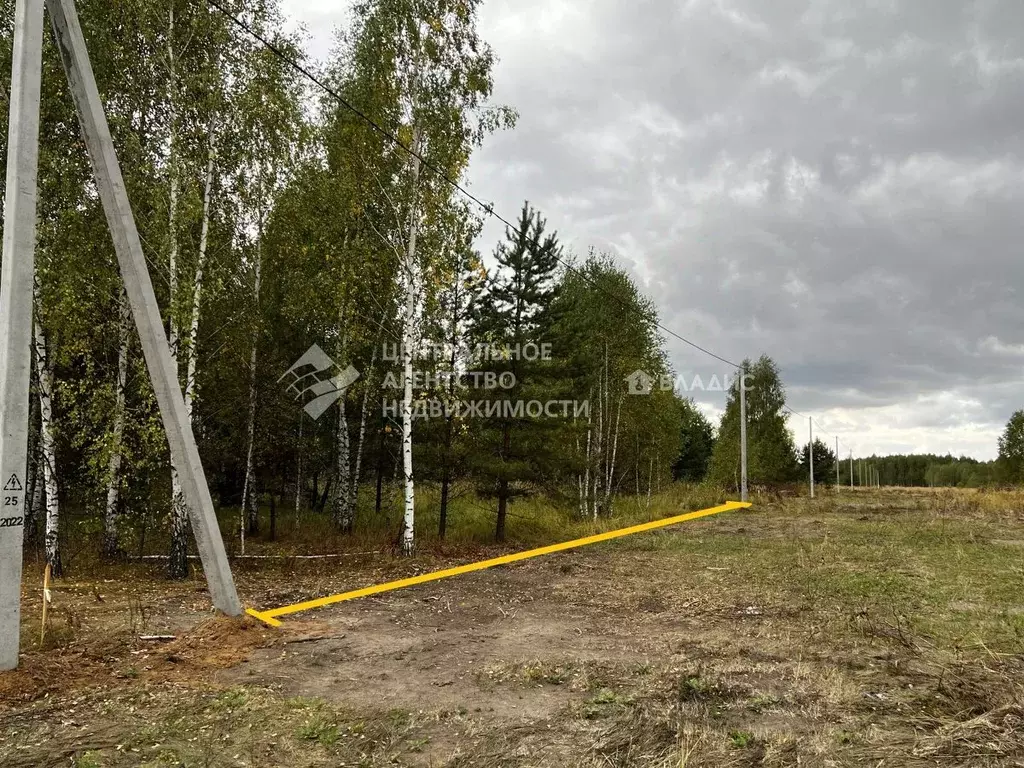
771	452
824	463
1011	449
605	330
307	232
741	739
696	445
510	452
925	470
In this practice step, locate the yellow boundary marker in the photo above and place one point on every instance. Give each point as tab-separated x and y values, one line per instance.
270	617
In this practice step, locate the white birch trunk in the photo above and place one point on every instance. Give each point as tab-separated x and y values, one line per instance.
45	381
172	216
343	457
343	468
249	515
298	470
191	351
177	564
636	465
356	475
409	328
610	478
579	476
111	545
650	481
599	447
33	483
585	498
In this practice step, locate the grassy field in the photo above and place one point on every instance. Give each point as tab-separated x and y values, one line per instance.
869	628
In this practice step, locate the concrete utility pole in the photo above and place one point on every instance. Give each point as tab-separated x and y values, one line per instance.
851	468
16	278
837	463
743	434
16	306
810	450
162	369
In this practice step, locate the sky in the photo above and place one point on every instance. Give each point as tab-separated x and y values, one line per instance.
837	185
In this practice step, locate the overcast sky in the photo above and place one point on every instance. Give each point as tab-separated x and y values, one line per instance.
839	185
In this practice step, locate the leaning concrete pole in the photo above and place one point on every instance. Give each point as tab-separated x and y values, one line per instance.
16	312
743	434
810	451
162	369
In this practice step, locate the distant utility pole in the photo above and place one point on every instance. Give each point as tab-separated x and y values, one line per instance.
810	451
851	468
743	434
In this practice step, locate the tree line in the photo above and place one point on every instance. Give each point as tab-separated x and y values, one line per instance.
274	218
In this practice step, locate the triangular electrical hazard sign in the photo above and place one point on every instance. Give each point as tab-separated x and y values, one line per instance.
14	484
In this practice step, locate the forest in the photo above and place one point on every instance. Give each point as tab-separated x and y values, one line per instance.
315	214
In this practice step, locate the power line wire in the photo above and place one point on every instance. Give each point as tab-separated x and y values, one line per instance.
487	208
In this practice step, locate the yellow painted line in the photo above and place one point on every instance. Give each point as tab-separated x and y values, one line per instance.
263	617
270	617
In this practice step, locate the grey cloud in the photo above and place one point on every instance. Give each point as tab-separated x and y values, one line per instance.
839	185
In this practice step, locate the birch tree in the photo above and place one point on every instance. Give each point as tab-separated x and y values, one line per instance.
111	544
44	378
427	57
268	124
452	293
600	348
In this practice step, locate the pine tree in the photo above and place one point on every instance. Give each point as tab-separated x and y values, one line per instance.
696	444
514	313
824	463
1011	449
771	451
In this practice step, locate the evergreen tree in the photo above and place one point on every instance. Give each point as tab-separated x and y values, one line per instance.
515	313
606	330
771	451
1011	449
824	463
696	444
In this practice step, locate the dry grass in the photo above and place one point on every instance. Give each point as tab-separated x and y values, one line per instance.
860	629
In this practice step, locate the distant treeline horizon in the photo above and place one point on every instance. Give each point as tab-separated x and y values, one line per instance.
925	470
